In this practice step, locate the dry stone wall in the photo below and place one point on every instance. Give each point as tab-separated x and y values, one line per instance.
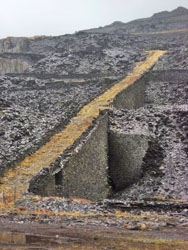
132	97
103	160
84	174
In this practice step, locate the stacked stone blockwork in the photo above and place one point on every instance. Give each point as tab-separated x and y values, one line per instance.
102	161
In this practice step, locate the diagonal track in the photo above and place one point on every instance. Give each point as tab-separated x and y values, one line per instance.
16	180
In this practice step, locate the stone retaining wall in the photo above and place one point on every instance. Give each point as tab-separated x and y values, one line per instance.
84	174
100	157
132	97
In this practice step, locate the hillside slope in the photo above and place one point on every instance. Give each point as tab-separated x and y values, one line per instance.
176	19
146	129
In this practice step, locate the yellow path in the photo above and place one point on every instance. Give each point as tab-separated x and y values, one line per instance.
16	180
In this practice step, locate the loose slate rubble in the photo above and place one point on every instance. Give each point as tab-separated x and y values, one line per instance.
46	103
165	163
32	110
38	107
70	71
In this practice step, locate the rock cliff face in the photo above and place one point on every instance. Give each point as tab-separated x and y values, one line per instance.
13	45
17	54
12	66
21	44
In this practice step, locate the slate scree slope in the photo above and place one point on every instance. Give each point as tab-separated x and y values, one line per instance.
69	128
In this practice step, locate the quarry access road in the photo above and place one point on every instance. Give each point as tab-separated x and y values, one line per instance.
16	181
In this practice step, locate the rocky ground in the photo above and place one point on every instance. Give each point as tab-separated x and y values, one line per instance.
164	119
33	109
49	93
89	238
35	103
67	72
